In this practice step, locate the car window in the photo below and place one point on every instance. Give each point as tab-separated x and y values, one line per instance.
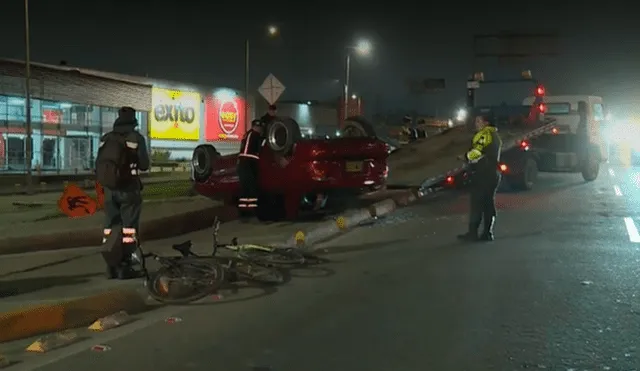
558	108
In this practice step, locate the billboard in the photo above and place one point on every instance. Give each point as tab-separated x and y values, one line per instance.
224	117
176	115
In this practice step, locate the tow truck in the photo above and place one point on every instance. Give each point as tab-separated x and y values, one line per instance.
533	141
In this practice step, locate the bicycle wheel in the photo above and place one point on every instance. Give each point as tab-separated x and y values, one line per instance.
284	256
259	273
185	282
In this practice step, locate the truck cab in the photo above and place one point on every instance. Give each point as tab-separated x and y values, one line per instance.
576	143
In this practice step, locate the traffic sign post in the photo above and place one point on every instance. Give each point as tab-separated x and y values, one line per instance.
271	89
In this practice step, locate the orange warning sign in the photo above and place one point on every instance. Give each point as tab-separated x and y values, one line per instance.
75	203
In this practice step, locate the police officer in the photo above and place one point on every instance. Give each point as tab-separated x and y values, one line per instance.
122	204
270	116
483	158
248	169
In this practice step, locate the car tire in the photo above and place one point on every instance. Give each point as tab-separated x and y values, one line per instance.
202	161
282	134
527	178
358	126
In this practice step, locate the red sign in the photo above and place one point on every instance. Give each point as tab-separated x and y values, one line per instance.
224	118
51	116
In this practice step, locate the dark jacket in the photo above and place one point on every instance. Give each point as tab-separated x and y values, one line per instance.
484	155
127	126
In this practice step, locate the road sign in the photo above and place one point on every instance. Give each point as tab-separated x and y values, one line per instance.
271	89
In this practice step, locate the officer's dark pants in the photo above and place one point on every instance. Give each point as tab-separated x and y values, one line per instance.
248	174
483	203
122	218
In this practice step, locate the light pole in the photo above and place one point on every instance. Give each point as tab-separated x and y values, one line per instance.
27	100
272	31
363	47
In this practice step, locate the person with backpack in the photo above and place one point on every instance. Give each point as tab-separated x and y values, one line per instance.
121	157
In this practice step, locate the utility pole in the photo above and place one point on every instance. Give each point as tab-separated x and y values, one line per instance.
27	100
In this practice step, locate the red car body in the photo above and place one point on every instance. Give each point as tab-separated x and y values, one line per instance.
351	165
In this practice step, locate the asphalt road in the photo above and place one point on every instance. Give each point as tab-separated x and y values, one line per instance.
556	290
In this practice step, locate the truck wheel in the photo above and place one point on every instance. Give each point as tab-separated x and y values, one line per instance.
282	134
525	180
202	161
591	168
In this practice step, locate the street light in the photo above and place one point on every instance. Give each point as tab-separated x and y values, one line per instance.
272	30
353	96
363	48
27	100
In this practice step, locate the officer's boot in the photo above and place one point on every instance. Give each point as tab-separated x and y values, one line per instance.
472	234
487	234
125	270
111	253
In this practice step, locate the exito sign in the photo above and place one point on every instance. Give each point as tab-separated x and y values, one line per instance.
176	115
224	116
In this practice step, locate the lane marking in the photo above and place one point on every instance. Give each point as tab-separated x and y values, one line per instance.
611	172
634	235
617	190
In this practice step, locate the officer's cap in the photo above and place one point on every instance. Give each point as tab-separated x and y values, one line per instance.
257	122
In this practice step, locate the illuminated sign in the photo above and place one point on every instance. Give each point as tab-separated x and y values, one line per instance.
176	115
224	117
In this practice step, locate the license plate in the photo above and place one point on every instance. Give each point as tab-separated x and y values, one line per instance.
353	166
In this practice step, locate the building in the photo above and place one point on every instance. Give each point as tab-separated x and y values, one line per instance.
72	107
315	117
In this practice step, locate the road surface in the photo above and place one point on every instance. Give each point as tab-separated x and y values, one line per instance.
557	290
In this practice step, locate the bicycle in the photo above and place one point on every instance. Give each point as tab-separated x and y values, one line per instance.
200	276
264	254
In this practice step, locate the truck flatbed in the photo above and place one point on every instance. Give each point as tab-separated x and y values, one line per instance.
428	162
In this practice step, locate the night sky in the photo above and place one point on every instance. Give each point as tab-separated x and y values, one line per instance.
203	42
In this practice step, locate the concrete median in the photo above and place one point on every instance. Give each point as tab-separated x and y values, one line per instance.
48	318
151	229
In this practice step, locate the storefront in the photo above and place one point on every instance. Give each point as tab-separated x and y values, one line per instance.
183	119
71	108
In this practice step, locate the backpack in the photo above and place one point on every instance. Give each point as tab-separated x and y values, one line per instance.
114	162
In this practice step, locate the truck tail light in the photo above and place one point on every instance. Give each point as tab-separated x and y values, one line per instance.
449	180
503	168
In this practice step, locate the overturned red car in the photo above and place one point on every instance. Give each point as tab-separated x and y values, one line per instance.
297	173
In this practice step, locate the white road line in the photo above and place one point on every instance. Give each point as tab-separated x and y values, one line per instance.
611	172
634	236
617	190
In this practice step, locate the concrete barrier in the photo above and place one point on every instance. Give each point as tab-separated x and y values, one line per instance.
55	317
153	229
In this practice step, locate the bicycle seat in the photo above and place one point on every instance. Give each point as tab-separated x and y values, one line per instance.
184	248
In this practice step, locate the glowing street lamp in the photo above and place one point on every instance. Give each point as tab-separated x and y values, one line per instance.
363	48
272	31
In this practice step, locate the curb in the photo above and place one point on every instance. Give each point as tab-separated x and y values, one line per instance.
56	317
154	229
341	224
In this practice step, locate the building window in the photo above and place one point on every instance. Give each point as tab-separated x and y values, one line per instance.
15	151
598	112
